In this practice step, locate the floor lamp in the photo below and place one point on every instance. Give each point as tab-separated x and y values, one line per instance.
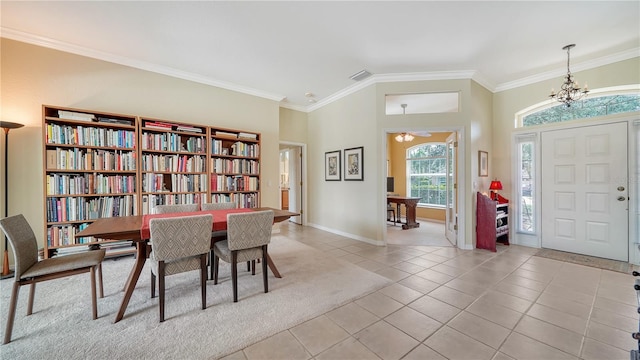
6	126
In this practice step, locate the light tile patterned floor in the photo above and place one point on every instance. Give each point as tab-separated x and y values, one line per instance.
452	304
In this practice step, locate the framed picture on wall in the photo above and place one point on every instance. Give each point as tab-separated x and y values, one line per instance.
483	163
332	165
354	164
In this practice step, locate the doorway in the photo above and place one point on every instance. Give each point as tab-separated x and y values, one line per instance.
291	185
438	217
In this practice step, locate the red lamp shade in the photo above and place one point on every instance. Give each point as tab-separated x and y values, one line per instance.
495	185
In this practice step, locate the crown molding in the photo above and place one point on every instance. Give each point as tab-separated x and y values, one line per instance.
585	65
121	60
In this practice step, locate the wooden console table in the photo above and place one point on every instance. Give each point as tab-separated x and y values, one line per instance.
410	204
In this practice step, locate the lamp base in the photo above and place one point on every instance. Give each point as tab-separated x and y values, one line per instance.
6	272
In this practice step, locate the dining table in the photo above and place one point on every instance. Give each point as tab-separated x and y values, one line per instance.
136	229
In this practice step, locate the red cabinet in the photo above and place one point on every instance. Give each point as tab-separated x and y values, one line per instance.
492	222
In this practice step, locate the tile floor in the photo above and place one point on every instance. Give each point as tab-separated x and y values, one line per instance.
447	303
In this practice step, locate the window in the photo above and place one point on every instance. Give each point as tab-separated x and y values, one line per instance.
427	175
590	107
526	184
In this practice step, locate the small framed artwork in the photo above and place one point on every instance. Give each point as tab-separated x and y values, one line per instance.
483	163
332	166
354	164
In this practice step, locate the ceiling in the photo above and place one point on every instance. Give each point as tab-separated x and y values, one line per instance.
284	50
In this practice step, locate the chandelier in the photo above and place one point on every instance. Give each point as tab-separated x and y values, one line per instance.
404	137
570	91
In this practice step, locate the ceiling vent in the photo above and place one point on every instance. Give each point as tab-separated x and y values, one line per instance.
359	76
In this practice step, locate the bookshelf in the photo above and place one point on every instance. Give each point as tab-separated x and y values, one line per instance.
90	172
234	165
173	163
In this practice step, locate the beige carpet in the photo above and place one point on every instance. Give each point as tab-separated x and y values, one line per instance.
61	325
585	260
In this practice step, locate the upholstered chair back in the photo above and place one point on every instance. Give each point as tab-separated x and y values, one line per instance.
165	209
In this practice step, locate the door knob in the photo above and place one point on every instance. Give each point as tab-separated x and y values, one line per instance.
621	198
620	188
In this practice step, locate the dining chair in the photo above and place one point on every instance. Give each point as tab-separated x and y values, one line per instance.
165	209
248	235
220	235
178	245
29	271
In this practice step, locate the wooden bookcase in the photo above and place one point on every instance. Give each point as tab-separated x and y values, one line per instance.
100	164
235	167
173	163
90	172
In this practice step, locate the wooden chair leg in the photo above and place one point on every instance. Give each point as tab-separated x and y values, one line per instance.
234	274
253	267
203	279
264	269
32	295
211	255
153	284
12	312
216	260
100	284
248	266
94	301
161	288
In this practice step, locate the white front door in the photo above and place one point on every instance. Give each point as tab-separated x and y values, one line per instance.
585	191
451	215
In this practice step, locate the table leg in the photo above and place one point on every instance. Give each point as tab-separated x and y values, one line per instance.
272	266
141	257
398	215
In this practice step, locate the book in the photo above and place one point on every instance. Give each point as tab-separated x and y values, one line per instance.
247	135
74	115
114	121
52	159
188	128
226	134
157	125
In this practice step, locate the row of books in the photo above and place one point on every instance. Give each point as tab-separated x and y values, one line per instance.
169	126
76	115
66	235
238	135
175	163
234	183
238	148
90	136
70	184
173	142
173	182
244	200
88	159
150	201
81	208
235	166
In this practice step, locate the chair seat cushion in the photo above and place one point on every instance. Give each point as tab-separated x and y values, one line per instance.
65	262
177	266
221	248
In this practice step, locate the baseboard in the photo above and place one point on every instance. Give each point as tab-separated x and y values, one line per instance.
345	234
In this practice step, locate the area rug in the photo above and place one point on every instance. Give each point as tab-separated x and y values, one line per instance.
61	326
585	260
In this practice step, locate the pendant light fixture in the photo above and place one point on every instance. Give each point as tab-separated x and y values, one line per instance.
570	91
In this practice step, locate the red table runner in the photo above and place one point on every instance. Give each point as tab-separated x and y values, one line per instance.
219	219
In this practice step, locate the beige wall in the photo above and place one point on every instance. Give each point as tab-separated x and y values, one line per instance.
33	76
293	126
398	166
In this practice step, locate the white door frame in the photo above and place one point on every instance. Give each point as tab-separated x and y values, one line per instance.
304	194
460	169
633	137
